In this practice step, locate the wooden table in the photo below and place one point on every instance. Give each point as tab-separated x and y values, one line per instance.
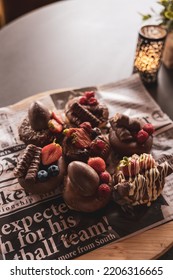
76	44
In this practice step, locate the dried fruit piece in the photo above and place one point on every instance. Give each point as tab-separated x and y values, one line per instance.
51	153
98	164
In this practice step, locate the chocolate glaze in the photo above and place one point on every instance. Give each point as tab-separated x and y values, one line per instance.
38	115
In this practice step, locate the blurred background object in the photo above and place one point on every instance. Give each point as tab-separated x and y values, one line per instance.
12	9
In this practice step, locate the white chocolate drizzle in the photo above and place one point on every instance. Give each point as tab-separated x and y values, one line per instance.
147	183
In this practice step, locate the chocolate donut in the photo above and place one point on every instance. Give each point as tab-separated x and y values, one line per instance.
83	190
139	180
29	167
86	108
40	127
130	136
83	142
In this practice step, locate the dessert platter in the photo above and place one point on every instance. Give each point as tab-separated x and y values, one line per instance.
75	148
91	177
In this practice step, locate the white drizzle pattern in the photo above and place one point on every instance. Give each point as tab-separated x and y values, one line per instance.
148	182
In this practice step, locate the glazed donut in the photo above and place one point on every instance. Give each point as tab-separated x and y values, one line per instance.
86	108
83	190
128	136
36	178
139	180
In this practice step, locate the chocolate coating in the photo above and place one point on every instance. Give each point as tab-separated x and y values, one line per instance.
38	115
81	189
84	178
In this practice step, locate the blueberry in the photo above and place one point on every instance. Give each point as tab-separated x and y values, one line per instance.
42	175
53	170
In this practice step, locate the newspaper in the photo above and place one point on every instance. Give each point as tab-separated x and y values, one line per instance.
42	226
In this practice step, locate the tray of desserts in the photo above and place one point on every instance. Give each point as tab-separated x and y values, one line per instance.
88	167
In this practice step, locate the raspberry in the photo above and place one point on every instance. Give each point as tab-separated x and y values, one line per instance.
105	177
98	164
89	94
92	101
83	100
87	126
149	128
142	136
104	189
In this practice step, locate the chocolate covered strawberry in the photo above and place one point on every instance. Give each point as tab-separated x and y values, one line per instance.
130	166
51	153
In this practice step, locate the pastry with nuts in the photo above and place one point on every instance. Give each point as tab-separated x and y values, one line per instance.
40	127
139	180
87	186
130	136
86	108
41	170
83	142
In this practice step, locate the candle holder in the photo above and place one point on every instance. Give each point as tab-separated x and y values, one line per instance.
149	50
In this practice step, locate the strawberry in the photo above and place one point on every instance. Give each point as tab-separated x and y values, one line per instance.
51	153
97	146
98	164
149	128
87	126
69	131
105	177
54	126
142	136
104	189
81	139
146	161
57	118
89	94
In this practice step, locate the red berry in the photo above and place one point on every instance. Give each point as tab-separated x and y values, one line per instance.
105	177
89	94
87	126
83	100
92	101
104	189
51	153
149	128
142	136
98	164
